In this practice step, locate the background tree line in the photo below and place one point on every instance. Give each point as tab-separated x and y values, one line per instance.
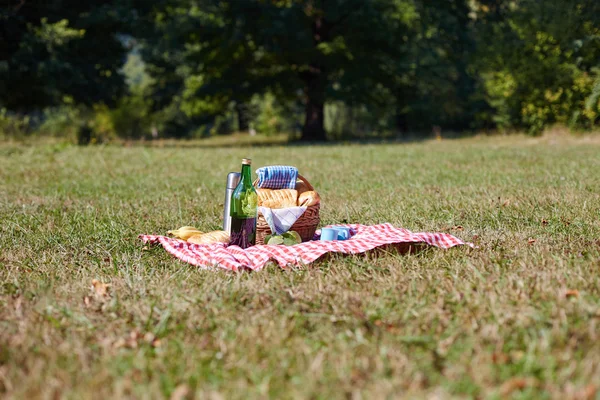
316	68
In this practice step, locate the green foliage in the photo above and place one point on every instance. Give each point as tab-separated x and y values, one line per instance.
591	113
134	70
101	125
13	126
52	49
270	116
131	118
343	121
63	121
55	35
500	87
340	68
538	62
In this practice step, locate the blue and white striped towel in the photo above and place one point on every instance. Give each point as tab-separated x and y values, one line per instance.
277	177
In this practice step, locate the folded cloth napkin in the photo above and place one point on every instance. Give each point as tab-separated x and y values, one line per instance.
281	220
277	177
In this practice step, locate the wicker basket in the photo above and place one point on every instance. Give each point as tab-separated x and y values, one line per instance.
306	225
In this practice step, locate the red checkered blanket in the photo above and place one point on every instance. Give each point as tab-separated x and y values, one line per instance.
219	255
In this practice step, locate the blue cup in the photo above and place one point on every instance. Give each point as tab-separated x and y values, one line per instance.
343	232
329	234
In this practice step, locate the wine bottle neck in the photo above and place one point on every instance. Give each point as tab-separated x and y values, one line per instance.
246	174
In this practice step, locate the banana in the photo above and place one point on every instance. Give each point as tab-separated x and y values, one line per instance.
185	232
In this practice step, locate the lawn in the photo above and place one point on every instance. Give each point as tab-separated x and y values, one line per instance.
516	317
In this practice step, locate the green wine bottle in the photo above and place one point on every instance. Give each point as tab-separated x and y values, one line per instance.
244	209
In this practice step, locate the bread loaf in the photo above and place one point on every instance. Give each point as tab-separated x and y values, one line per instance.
282	198
210	237
309	198
263	195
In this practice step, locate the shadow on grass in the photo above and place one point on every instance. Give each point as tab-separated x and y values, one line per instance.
327	260
395	249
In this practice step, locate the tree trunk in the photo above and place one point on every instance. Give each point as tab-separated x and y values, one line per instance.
401	117
401	123
314	122
315	85
242	117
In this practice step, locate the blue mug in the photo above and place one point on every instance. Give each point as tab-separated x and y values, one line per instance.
343	232
329	234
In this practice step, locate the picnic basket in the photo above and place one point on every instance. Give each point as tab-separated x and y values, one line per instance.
306	225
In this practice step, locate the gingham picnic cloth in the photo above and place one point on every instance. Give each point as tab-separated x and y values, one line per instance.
234	258
277	177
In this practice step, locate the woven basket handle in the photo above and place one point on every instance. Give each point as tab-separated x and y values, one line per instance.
310	187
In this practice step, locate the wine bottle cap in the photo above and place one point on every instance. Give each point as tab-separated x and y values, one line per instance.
246	161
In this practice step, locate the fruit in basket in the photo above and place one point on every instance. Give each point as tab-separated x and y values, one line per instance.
210	237
184	232
292	237
274	239
289	238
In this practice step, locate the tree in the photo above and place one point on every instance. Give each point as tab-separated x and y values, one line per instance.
52	50
539	61
299	50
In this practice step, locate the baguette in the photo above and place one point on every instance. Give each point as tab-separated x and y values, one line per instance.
210	237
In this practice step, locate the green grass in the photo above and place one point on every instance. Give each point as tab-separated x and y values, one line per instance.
493	322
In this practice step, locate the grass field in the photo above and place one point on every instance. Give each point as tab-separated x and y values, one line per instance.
517	317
